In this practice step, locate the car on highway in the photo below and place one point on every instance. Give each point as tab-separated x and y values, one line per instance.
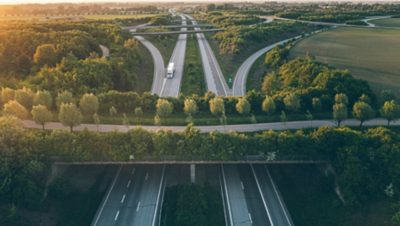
170	70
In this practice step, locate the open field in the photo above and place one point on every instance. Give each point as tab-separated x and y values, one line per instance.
311	200
392	22
369	54
76	17
193	81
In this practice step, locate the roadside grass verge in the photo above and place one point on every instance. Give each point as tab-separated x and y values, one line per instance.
144	73
193	75
310	198
256	74
165	44
369	54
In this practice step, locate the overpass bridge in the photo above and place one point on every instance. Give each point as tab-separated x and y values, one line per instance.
248	192
176	32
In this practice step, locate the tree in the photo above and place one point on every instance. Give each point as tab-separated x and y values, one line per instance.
89	104
69	115
365	98
24	96
283	117
396	219
268	105
363	111
390	110
45	54
340	112
211	7
96	120
7	94
139	114
13	108
64	97
341	98
271	83
217	106
243	106
113	111
316	104
41	115
164	107
190	107
43	98
292	102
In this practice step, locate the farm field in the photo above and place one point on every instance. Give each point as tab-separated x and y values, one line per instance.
392	22
369	54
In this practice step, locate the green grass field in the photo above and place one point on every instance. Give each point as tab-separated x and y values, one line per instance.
369	54
165	44
90	17
392	22
193	81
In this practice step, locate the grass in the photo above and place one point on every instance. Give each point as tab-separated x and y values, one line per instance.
392	22
90	17
193	77
369	54
311	200
144	73
165	44
256	74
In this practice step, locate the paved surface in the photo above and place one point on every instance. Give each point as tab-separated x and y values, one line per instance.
178	32
279	216
133	197
214	78
171	86
228	128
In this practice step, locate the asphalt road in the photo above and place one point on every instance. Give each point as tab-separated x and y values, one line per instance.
105	52
171	86
133	197
228	128
277	211
214	78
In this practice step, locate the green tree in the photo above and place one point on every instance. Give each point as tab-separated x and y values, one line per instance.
292	102
43	98
390	110
113	111
7	94
64	97
24	96
243	106
217	106
363	111
271	84
164	107
14	108
139	114
41	115
340	112
365	98
316	104
396	218
45	54
268	105
89	104
283	117
190	106
69	115
341	98
96	120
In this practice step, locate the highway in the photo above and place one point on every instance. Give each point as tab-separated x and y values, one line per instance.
133	198
171	86
178	32
214	78
243	200
274	203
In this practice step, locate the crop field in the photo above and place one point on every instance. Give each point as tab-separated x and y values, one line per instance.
369	54
393	22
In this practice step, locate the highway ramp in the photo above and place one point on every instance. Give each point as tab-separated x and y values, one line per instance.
171	86
214	78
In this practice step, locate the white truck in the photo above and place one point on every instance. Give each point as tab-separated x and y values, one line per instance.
170	70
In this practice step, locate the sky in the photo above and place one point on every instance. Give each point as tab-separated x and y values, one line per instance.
3	2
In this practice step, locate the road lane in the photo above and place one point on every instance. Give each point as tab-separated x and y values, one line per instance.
214	78
171	86
275	204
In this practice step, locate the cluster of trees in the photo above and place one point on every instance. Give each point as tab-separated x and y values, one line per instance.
366	162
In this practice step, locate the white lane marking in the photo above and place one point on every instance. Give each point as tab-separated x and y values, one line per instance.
241	184
116	216
128	184
251	220
138	207
108	195
133	171
123	199
147	176
158	196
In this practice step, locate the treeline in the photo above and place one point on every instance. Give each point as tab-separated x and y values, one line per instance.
366	162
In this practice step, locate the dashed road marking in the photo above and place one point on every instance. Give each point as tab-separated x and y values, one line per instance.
123	199
138	207
241	184
133	171
116	216
128	184
251	220
147	176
